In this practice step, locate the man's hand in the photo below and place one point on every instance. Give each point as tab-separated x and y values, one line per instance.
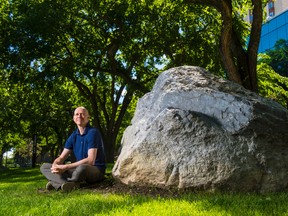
58	168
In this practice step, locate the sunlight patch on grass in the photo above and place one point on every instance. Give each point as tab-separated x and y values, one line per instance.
165	207
19	196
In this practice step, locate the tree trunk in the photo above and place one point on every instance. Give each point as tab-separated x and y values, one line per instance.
1	157
109	140
254	42
110	132
241	65
226	43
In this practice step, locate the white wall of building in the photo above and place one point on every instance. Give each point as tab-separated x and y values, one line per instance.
280	6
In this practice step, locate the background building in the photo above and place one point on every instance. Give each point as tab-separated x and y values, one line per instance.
276	7
275	27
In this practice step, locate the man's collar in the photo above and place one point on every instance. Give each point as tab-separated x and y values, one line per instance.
85	129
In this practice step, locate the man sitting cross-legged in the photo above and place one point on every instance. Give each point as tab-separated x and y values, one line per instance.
87	145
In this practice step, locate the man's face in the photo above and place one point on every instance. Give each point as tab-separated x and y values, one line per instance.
81	117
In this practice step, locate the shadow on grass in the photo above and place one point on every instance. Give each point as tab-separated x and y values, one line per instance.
20	175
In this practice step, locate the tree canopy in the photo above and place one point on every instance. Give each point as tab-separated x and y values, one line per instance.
111	52
278	57
272	85
109	49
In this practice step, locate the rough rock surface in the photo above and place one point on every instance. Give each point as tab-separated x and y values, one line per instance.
197	131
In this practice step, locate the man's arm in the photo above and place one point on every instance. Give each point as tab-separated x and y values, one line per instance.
64	155
60	167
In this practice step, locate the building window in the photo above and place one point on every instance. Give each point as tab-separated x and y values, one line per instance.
271	4
271	8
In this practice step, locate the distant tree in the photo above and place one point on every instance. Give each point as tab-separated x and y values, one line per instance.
272	85
279	57
10	131
34	106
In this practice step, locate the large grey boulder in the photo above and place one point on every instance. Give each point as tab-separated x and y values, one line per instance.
195	130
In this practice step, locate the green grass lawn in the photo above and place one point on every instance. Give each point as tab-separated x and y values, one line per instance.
19	196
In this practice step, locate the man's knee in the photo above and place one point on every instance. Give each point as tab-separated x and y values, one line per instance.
79	173
81	169
45	166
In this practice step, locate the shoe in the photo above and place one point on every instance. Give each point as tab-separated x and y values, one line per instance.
49	186
69	186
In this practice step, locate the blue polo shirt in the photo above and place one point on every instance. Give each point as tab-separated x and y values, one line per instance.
80	144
